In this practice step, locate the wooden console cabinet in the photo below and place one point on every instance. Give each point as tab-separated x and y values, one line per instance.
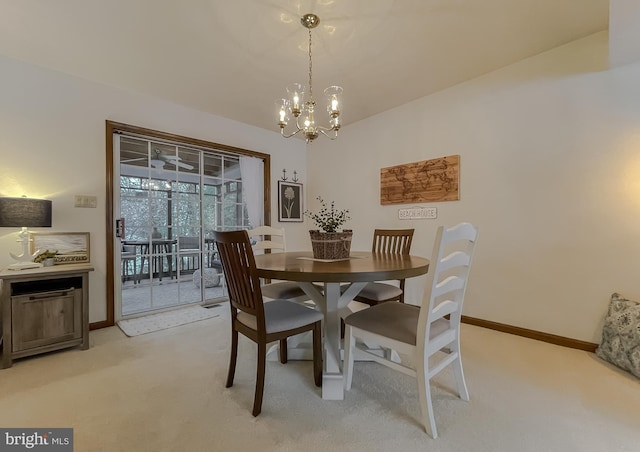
44	309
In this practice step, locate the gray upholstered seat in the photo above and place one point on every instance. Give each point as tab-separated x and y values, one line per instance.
288	290
378	292
282	315
387	241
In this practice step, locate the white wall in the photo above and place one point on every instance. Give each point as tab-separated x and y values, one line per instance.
624	33
52	145
550	171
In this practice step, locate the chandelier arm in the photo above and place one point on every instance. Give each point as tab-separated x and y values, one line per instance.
326	129
322	131
291	134
298	129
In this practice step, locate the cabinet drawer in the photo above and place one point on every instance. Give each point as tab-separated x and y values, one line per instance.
44	318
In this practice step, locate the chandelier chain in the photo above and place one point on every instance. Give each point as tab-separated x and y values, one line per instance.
310	69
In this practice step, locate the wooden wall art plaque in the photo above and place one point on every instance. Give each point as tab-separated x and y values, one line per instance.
427	181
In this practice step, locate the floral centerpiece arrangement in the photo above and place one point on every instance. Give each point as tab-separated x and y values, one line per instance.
328	218
329	243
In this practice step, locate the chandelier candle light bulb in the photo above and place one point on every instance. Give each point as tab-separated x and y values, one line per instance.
296	103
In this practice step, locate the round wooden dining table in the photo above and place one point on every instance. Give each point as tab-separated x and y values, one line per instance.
340	281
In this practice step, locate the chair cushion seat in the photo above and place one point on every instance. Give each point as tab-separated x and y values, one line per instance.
286	290
282	315
398	321
380	291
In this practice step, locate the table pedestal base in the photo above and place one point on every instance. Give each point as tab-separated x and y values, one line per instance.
332	386
332	302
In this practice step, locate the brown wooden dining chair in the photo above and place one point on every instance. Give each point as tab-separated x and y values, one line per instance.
261	322
387	241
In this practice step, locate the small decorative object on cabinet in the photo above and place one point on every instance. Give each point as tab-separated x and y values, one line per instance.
44	309
329	243
46	258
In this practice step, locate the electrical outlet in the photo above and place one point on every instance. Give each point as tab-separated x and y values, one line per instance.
418	213
85	201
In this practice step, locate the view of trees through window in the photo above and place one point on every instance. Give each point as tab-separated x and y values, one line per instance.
169	209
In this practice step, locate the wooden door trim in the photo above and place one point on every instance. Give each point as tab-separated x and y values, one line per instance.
115	127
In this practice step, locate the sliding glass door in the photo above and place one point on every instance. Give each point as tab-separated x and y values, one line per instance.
171	198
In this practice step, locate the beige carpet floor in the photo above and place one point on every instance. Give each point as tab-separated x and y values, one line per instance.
165	391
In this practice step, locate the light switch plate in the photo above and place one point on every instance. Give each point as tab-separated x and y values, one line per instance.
85	201
418	213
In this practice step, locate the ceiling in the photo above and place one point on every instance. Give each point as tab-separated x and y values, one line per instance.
233	58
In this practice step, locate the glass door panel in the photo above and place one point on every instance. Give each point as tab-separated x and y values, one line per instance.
172	198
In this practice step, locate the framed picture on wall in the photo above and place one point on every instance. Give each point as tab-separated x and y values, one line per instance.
290	201
70	247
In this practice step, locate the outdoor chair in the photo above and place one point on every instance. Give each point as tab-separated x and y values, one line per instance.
129	258
189	252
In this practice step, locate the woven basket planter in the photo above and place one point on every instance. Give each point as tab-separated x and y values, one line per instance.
331	245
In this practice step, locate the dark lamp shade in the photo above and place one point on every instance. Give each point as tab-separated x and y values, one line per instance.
25	212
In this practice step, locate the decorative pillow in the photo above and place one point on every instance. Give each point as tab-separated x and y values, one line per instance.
621	335
211	278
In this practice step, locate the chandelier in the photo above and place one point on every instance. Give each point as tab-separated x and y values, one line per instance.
298	105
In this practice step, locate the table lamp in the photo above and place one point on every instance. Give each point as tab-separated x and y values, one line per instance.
25	213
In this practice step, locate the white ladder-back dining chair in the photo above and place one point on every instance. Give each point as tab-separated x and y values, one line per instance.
267	238
418	332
